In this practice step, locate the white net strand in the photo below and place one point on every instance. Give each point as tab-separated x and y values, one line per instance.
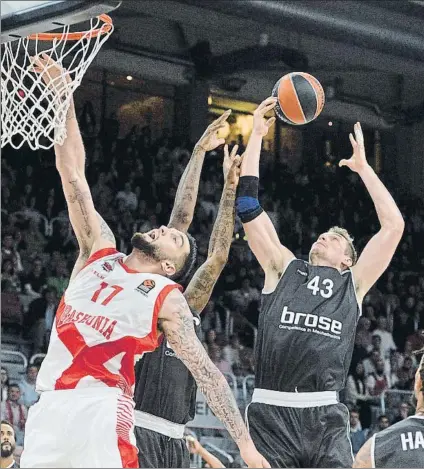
31	111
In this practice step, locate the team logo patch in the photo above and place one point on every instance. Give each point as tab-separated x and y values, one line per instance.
146	286
107	266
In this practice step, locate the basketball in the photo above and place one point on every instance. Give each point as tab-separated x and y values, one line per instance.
300	98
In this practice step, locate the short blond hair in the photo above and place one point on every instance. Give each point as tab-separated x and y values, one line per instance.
345	234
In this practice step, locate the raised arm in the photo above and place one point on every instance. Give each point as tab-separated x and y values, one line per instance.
176	321
83	256
199	290
379	251
364	458
261	235
186	197
70	163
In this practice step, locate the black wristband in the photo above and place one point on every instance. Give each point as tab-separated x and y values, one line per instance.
248	187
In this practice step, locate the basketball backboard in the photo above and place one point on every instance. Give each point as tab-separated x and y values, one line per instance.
22	18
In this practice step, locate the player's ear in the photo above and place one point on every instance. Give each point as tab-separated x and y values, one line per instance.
347	261
168	267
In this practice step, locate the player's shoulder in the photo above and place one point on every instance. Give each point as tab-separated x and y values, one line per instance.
404	425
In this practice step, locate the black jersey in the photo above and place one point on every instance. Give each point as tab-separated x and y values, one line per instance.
306	330
164	387
401	445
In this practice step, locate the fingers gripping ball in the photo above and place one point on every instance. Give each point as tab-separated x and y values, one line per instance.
300	98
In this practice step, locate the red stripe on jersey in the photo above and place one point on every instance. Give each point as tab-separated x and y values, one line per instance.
99	254
156	335
124	426
89	361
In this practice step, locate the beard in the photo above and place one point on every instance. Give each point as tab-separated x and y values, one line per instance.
150	251
6	452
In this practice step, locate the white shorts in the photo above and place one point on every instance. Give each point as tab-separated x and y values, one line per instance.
91	427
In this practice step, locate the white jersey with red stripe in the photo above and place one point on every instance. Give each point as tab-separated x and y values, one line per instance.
106	319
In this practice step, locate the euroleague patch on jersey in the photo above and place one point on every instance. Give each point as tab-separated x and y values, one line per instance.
146	286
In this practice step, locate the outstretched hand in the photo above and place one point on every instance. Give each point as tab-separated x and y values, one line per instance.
209	140
232	166
261	125
49	70
358	161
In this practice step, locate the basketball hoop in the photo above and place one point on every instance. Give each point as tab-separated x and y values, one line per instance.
31	111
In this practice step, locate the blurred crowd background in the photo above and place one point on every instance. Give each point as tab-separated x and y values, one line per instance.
133	182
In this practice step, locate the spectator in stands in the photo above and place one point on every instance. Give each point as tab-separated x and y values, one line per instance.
370	363
211	337
128	197
417	339
36	280
403	412
358	436
34	239
363	334
15	412
357	394
39	319
241	298
4	384
378	381
8	251
9	275
196	448
387	343
8	445
60	279
383	422
403	326
215	354
27	385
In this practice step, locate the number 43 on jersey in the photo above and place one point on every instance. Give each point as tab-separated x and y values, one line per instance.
324	288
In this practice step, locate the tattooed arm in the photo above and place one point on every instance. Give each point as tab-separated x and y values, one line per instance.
84	255
176	321
364	458
70	162
200	288
185	199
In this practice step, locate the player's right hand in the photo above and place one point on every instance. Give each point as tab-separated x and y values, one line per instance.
210	140
253	458
50	71
260	125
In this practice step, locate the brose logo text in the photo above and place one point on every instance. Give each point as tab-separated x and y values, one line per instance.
304	322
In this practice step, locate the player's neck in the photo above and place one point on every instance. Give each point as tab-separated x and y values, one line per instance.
142	264
325	263
420	407
6	462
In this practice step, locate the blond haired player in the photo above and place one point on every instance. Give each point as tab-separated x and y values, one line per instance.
308	317
114	309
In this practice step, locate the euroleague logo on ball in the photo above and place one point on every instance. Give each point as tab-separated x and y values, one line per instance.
300	96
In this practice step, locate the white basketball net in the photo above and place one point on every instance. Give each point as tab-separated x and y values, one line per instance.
31	111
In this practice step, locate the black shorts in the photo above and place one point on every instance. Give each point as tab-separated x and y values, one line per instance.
157	450
301	437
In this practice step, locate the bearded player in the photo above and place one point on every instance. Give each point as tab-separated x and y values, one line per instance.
308	317
165	393
402	444
115	308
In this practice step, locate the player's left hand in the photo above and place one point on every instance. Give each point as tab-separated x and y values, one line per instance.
358	161
232	166
209	140
253	458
